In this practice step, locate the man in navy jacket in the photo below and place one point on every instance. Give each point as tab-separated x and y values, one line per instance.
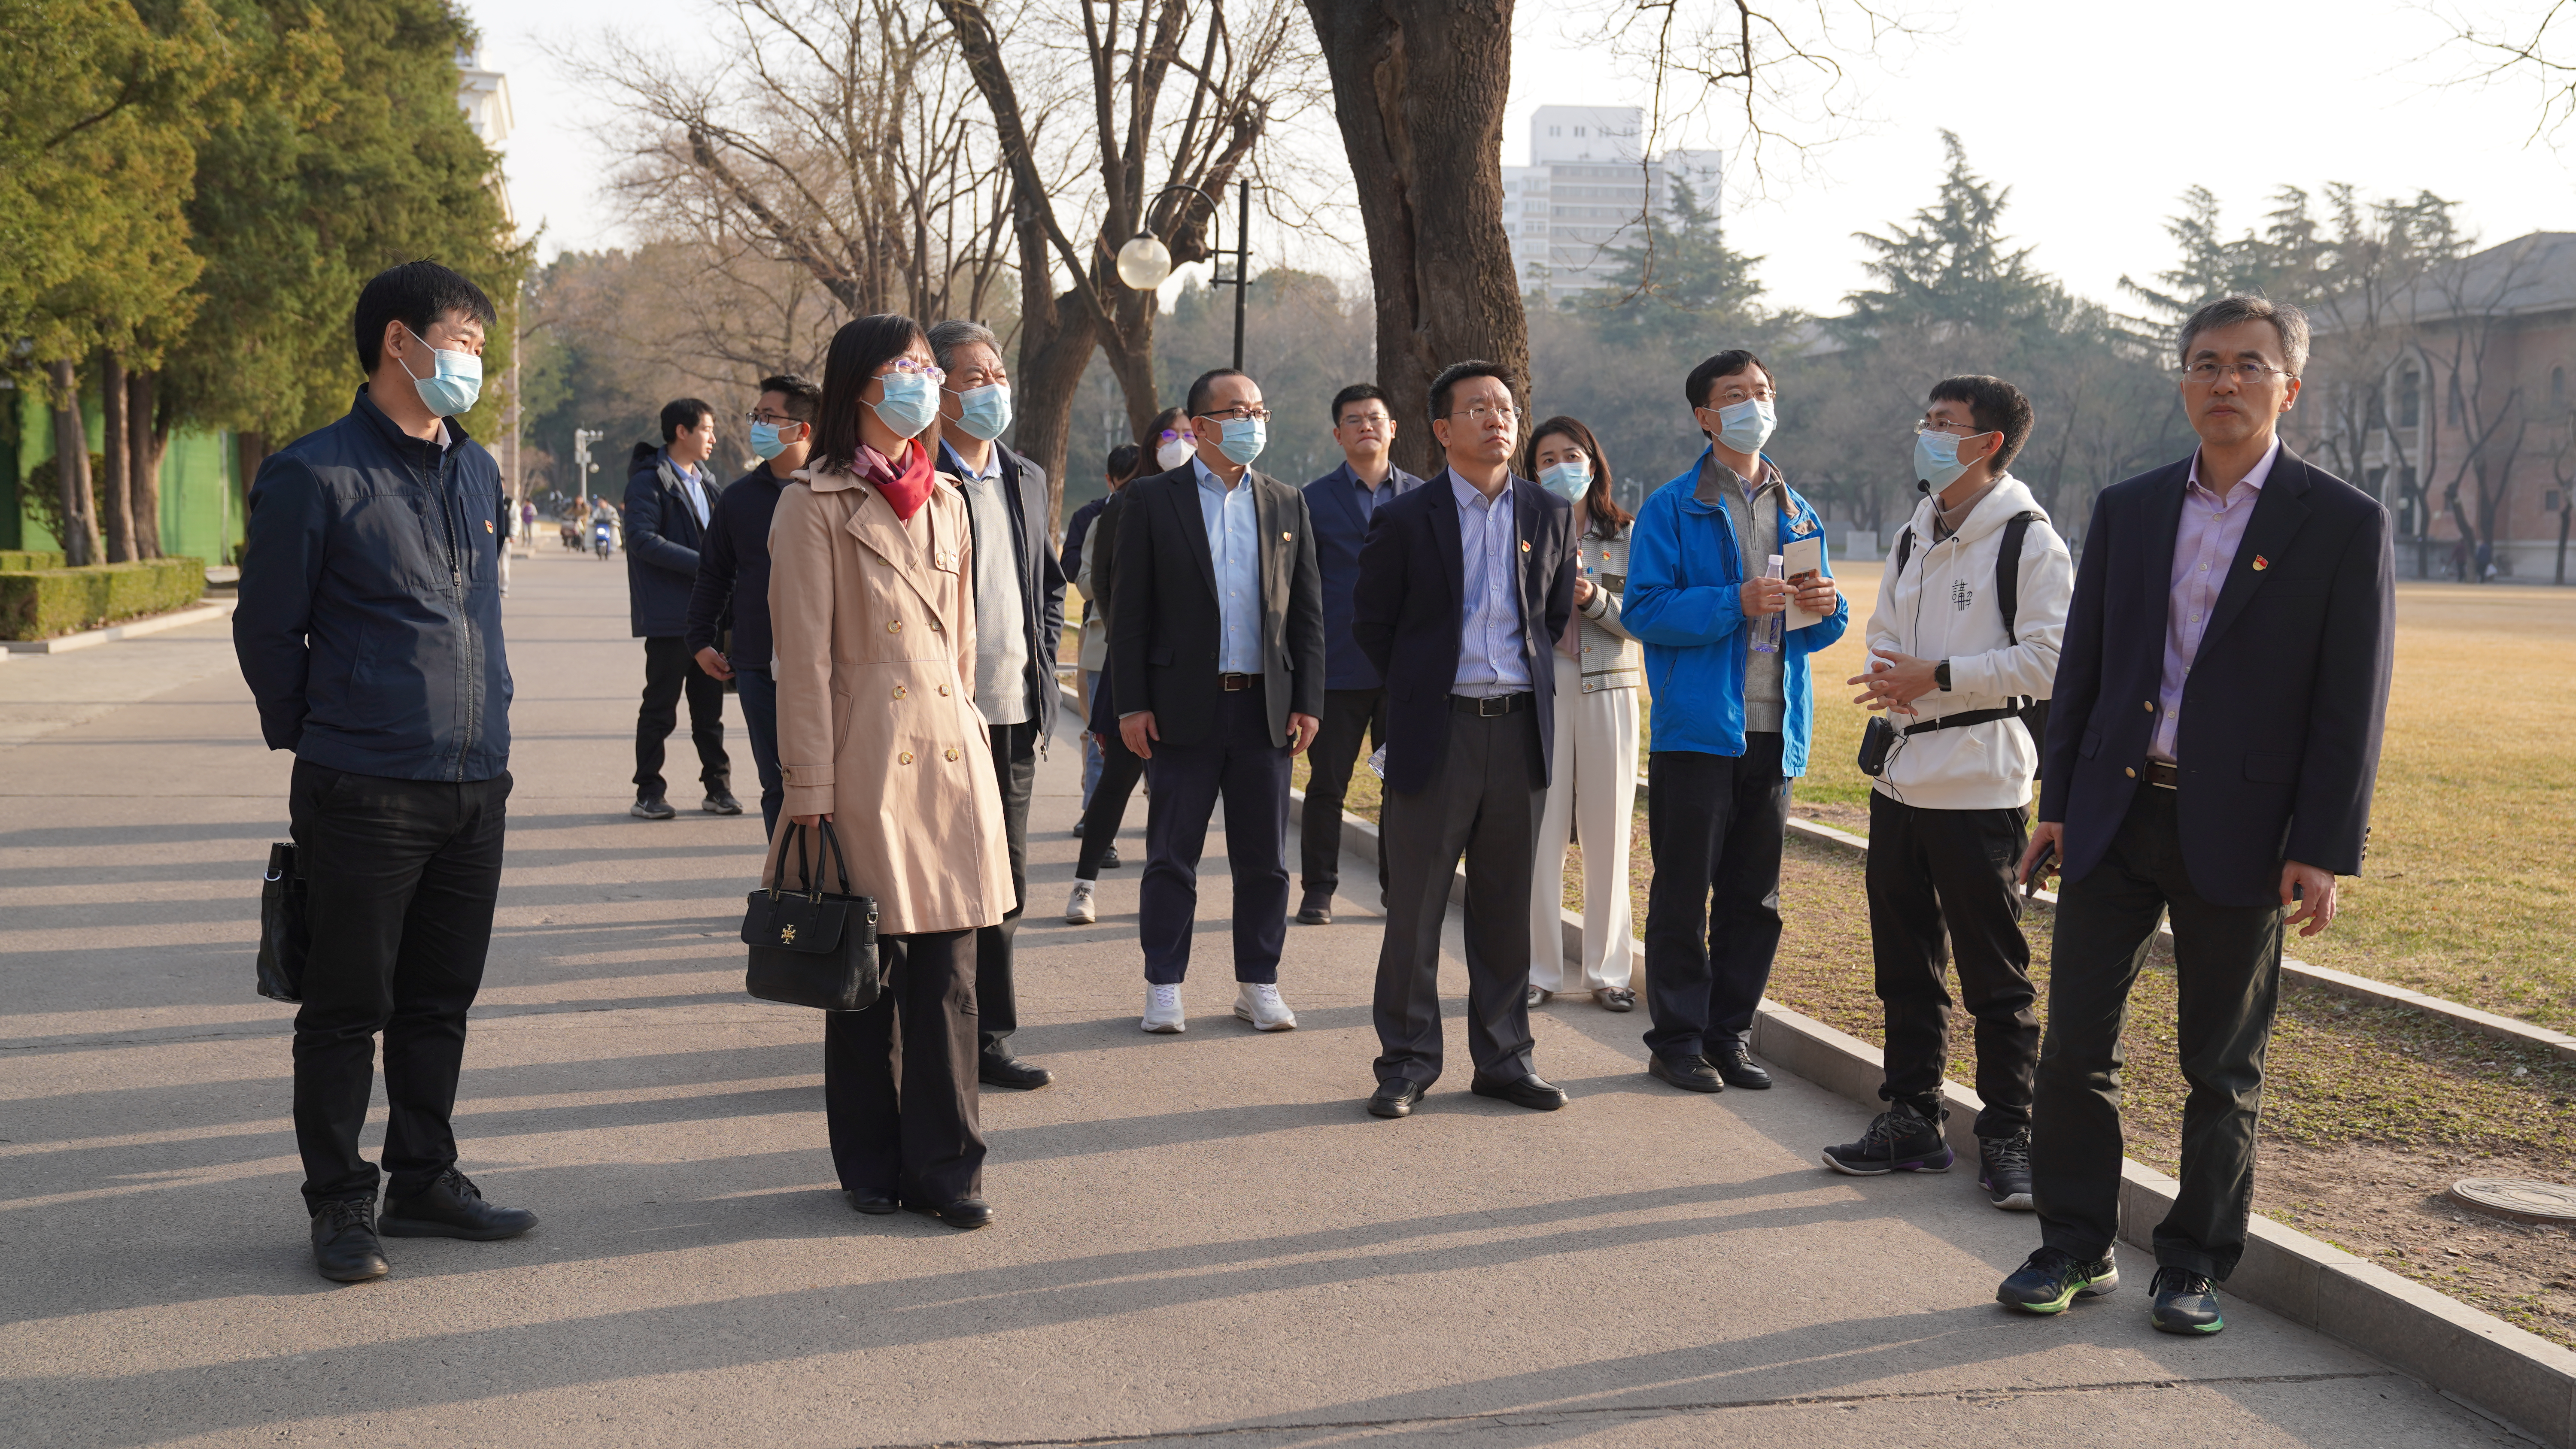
1342	504
369	633
669	499
2212	745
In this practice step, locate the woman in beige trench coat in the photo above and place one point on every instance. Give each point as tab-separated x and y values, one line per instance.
871	605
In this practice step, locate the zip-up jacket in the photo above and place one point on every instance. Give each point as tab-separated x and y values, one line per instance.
1685	603
369	629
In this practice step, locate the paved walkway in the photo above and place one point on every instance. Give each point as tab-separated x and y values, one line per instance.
1199	1236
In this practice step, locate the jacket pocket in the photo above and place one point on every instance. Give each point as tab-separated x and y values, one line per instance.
2092	744
2272	769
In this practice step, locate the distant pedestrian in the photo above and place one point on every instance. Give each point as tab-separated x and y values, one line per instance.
1104	809
1343	503
669	499
731	592
369	633
2256	592
1093	655
1592	782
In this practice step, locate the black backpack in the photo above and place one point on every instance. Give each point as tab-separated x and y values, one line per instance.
2033	713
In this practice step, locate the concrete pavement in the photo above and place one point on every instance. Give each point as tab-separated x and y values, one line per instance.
1199	1236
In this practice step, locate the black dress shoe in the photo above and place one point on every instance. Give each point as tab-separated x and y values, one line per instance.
345	1247
966	1214
1316	909
1395	1097
1734	1061
1691	1074
998	1068
874	1204
1109	858
1523	1091
452	1207
720	801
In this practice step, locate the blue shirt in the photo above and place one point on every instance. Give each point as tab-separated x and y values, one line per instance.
1341	508
1490	658
1234	541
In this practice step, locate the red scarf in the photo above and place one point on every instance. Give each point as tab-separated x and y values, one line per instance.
906	487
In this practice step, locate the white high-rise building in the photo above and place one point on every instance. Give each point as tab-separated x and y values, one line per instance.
1586	192
484	97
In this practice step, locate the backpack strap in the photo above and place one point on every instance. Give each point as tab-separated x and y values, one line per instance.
2008	567
1904	547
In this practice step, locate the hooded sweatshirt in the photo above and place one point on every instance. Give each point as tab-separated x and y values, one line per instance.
1944	606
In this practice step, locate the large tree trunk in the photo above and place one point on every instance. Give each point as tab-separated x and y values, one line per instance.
1418	86
1056	335
120	469
149	430
71	467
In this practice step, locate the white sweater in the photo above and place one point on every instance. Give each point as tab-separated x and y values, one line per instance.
1944	606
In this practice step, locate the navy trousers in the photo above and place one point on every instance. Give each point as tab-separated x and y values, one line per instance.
1241	766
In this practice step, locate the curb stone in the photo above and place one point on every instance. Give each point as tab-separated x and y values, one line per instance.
197	613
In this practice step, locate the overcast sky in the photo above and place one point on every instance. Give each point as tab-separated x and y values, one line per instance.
2096	116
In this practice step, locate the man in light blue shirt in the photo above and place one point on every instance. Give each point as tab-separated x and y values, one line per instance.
1490	636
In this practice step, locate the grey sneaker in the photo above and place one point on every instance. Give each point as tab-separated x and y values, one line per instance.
2184	1302
2003	1170
655	808
2052	1278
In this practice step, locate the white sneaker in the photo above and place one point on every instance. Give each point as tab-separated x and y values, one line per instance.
1258	1002
1163	1011
1079	911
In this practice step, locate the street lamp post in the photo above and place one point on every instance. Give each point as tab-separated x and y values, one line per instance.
1144	262
582	438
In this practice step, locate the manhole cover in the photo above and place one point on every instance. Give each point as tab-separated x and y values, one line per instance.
2508	1197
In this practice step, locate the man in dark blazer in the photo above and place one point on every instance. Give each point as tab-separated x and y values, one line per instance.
1465	585
670	495
1019	615
1216	648
2212	743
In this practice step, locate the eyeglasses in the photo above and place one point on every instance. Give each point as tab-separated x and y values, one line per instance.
921	369
1919	429
1479	414
2206	374
1173	435
1247	413
777	420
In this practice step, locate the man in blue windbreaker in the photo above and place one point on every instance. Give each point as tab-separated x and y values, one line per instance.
1732	710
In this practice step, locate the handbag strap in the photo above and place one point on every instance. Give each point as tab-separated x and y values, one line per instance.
840	861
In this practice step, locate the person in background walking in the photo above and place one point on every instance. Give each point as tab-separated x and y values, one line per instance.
1731	722
1019	614
1120	767
1120	467
732	588
1946	821
1216	648
872	605
1342	503
1592	781
369	633
2255	592
668	503
1463	584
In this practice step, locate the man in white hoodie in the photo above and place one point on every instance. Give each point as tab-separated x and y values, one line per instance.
1965	636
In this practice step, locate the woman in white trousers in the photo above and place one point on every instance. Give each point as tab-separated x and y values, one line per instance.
1592	782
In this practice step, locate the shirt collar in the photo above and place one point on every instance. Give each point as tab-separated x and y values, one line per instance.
1469	495
1717	481
2255	480
1208	479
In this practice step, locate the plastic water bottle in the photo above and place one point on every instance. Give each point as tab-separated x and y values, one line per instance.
1377	762
1766	635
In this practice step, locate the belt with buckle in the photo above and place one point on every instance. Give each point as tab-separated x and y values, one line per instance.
2163	776
1232	683
1488	706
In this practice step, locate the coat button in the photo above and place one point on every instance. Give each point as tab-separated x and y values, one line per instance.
906	758
2132	774
934	627
943	691
898	691
2151	706
894	626
952	752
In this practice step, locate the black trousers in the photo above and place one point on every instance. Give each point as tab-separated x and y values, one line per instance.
1241	765
1483	806
1715	824
403	875
2227	966
1015	763
670	672
1351	717
1120	769
1941	886
899	1083
758	693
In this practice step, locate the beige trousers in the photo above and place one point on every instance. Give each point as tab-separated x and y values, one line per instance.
1592	792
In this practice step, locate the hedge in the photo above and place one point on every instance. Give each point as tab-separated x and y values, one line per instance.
19	560
41	603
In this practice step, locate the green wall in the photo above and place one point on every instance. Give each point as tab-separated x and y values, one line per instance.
201	492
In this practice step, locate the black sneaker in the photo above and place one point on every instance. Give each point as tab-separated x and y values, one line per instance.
2185	1302
1898	1140
2054	1278
345	1246
2004	1170
653	808
720	801
452	1207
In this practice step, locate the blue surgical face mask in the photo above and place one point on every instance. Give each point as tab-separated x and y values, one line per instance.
455	380
985	411
1568	480
1243	439
1745	426
1936	459
911	403
765	442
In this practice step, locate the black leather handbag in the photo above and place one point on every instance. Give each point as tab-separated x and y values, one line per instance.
283	935
810	947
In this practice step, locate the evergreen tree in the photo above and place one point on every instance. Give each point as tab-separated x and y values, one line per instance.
1677	281
1952	266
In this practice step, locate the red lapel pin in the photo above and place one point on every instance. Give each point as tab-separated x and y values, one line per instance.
1525	545
2261	563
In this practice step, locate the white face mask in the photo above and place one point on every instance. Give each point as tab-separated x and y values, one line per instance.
1174	453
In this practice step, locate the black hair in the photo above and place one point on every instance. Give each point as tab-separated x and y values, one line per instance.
1597	501
804	399
1355	393
1458	372
1123	463
419	295
1994	406
681	414
863	345
1703	379
1206	384
1175	420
